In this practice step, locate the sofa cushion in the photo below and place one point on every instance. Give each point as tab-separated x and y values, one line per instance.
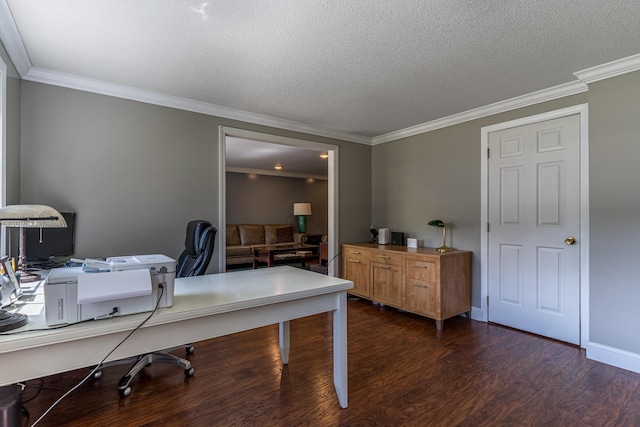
233	235
235	251
284	234
271	232
251	234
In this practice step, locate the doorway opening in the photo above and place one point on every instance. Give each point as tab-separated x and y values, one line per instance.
332	186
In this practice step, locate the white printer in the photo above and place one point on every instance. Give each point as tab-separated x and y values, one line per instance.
114	287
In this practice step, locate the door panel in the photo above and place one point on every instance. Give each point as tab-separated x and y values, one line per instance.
534	204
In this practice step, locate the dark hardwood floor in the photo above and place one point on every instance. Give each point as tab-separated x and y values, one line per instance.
402	372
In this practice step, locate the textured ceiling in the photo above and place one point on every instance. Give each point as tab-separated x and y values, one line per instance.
364	67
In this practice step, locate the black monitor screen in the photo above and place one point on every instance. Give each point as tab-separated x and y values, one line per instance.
56	242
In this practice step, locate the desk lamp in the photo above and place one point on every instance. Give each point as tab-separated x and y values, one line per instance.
301	210
30	216
441	224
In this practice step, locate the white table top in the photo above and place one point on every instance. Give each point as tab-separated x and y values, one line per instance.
193	297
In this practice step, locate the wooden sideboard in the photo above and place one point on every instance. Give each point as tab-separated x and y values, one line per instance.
419	280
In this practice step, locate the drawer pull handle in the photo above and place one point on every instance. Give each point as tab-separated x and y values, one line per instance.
386	267
420	266
354	260
355	253
420	286
383	257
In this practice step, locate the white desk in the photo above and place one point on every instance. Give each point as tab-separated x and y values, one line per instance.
203	307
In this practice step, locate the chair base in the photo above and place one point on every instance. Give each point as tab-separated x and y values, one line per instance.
144	360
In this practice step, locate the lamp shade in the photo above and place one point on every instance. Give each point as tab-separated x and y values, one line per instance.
436	223
302	208
31	216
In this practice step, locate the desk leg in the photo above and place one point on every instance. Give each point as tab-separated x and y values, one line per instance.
340	376
285	343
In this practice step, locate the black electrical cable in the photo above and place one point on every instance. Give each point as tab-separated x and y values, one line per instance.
99	365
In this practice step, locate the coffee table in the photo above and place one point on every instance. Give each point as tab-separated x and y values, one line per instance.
272	255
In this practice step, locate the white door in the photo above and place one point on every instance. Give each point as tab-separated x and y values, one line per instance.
534	206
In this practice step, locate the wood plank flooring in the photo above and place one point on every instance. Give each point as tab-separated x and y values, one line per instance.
402	372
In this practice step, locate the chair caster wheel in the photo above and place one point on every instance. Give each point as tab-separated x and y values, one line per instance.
124	392
97	375
189	372
190	349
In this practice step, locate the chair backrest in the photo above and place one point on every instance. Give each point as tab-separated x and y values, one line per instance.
199	245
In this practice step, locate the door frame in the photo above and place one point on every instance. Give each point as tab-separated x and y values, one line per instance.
583	111
332	187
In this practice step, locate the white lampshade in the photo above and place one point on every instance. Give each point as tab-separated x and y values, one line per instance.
31	216
302	208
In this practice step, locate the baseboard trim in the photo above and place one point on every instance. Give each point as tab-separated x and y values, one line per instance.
613	356
478	314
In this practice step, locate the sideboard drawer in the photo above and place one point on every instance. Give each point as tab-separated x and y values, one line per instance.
385	258
356	254
421	270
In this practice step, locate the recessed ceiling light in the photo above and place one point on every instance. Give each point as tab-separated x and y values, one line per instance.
278	167
324	156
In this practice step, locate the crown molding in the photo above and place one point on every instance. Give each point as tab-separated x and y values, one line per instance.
555	92
12	41
249	171
72	81
610	69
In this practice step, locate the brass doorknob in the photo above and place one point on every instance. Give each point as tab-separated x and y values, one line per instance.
570	240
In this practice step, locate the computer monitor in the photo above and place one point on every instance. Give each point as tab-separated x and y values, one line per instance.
56	242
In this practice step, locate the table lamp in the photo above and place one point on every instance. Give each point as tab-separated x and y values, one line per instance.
30	216
301	210
441	224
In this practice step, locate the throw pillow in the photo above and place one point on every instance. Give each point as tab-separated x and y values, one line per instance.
284	234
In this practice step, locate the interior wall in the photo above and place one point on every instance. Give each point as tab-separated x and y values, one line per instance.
614	141
12	152
266	199
12	130
436	175
137	173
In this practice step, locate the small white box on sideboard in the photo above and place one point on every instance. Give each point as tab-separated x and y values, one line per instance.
383	236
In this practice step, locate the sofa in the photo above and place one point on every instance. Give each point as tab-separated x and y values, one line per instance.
242	238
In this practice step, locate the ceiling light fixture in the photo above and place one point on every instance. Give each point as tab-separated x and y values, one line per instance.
324	156
278	167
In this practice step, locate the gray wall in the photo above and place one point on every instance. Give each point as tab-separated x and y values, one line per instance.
436	175
614	139
265	199
12	172
137	173
13	130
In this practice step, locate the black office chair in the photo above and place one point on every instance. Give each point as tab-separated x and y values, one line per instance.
193	261
199	245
